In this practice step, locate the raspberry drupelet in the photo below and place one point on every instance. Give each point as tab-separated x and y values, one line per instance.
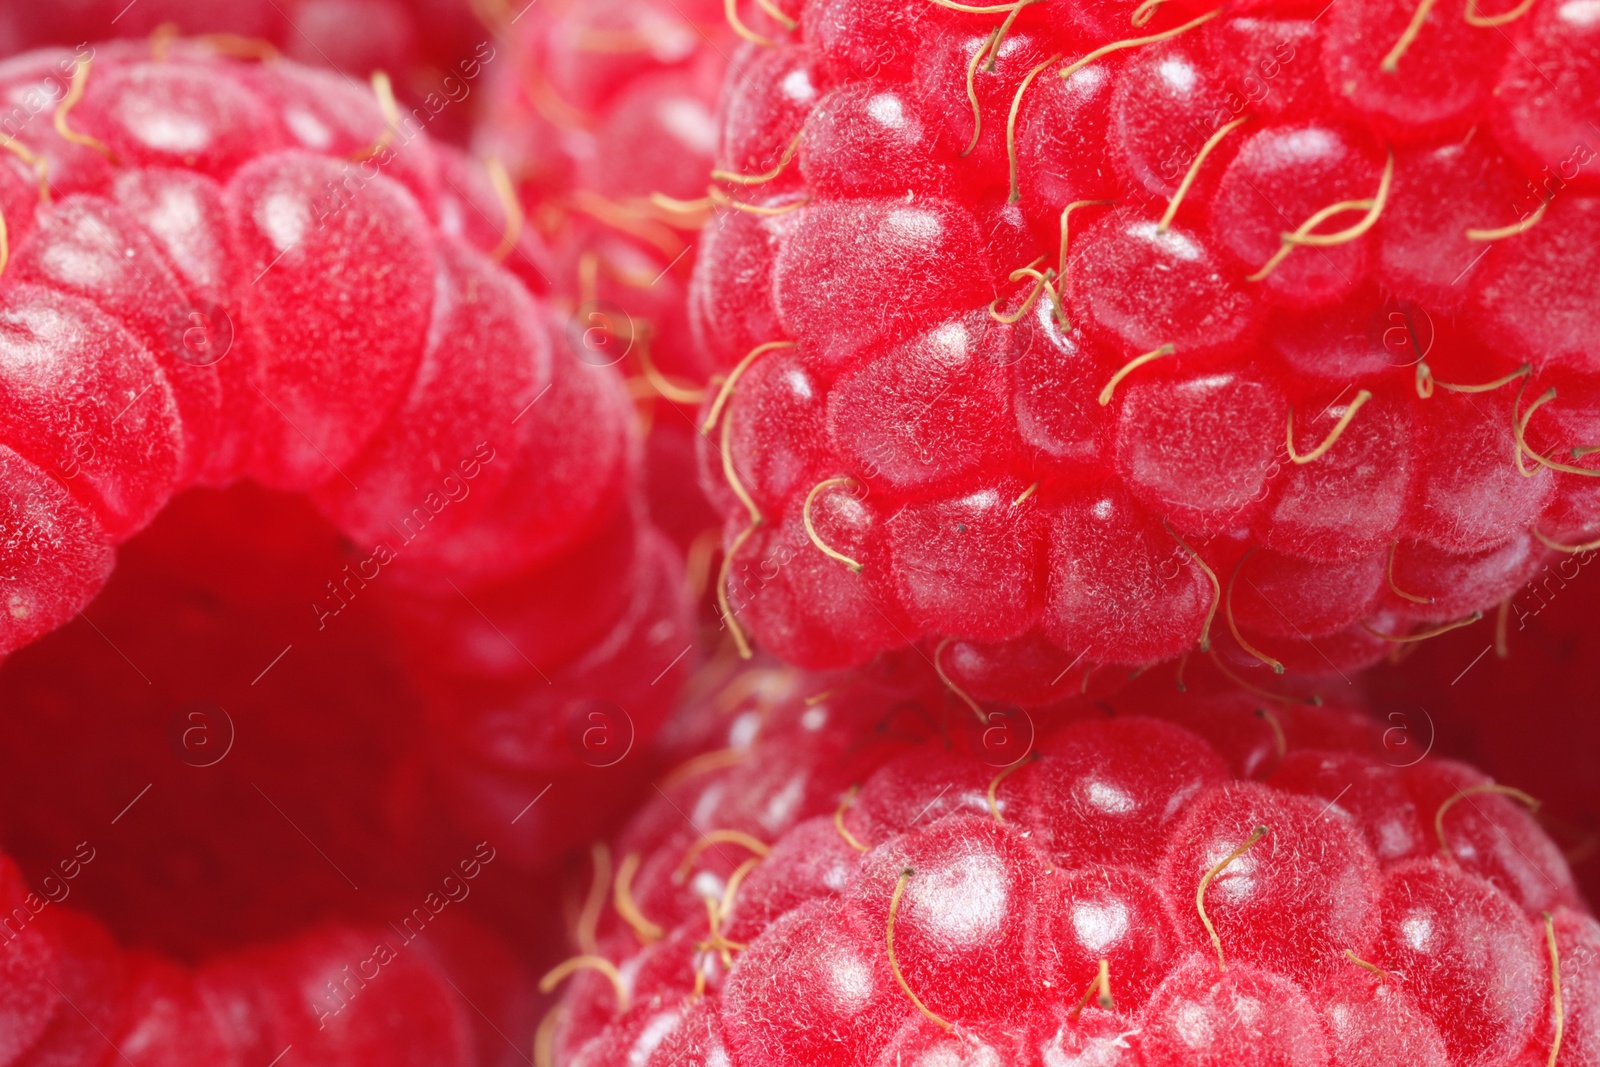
849	877
1058	333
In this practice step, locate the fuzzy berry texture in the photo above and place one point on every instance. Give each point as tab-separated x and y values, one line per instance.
859	877
1095	332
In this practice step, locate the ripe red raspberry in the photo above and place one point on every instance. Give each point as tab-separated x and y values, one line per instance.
1099	333
850	881
198	246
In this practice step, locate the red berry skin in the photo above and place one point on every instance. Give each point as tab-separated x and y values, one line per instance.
1521	304
1581	936
1029	670
304	325
1290	172
1053	400
853	128
816	280
730	304
498	738
1297	926
1494	837
930	446
1161	99
1376	799
98	251
1287	597
71	371
1061	146
1244	1016
1380	1022
420	43
301	991
1114	914
927	913
922	1041
1199	451
1457	940
810	861
1349	504
891	802
1200	307
493	342
1306	265
596	108
970	564
1475	502
1441	192
815	992
89	971
970	908
1110	792
1544	121
1106	549
165	1021
1412	95
804	606
56	554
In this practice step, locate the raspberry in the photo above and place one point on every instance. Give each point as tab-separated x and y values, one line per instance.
1125	332
218	237
849	882
216	243
26	1002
